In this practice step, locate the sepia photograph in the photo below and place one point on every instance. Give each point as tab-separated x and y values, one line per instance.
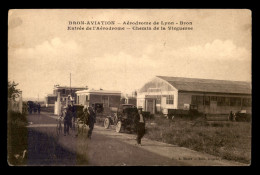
129	87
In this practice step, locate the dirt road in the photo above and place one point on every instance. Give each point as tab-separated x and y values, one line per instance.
106	148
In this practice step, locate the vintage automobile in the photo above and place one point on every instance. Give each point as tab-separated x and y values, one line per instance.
123	118
191	112
242	116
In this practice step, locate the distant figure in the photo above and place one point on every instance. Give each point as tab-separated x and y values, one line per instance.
234	117
67	120
231	115
91	120
35	108
140	126
30	108
39	108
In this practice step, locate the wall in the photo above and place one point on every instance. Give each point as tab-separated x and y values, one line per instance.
186	97
81	99
114	101
157	87
51	100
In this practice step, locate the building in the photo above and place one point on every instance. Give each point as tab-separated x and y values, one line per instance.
50	100
211	96
64	91
109	99
129	99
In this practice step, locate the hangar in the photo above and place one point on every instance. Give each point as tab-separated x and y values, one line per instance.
211	96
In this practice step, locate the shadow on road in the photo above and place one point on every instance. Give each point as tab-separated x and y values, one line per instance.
105	150
44	149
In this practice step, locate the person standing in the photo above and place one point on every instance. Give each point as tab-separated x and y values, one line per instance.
91	121
35	107
140	126
67	120
39	108
231	115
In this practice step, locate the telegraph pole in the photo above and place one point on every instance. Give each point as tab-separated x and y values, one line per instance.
70	84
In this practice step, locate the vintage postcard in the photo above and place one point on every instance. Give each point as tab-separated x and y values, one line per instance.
129	87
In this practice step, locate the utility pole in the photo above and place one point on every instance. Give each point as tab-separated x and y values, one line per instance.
70	85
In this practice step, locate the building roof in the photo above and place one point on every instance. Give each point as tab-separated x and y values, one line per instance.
51	95
91	91
208	85
68	87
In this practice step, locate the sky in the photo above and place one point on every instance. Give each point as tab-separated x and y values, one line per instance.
42	52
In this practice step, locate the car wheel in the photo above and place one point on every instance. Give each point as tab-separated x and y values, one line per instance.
118	126
106	123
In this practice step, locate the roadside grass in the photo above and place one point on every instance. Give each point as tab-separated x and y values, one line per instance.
228	140
17	135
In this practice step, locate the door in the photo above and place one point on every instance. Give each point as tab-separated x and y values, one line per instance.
213	107
150	105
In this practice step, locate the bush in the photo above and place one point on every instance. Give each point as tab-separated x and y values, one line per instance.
16	117
17	136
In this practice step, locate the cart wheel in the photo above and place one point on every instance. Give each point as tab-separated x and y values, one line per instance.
106	123
118	126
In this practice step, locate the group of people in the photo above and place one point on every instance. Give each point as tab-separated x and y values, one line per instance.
70	115
90	119
35	107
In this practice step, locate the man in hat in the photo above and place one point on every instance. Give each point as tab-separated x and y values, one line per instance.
91	121
140	126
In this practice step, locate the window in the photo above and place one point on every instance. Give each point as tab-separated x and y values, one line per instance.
105	101
63	91
213	98
154	90
197	100
206	100
193	100
235	101
227	101
158	99
86	97
221	101
246	102
169	99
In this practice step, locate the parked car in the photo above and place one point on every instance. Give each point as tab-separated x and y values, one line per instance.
123	119
243	116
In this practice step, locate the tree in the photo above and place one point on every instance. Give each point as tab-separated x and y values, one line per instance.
13	92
